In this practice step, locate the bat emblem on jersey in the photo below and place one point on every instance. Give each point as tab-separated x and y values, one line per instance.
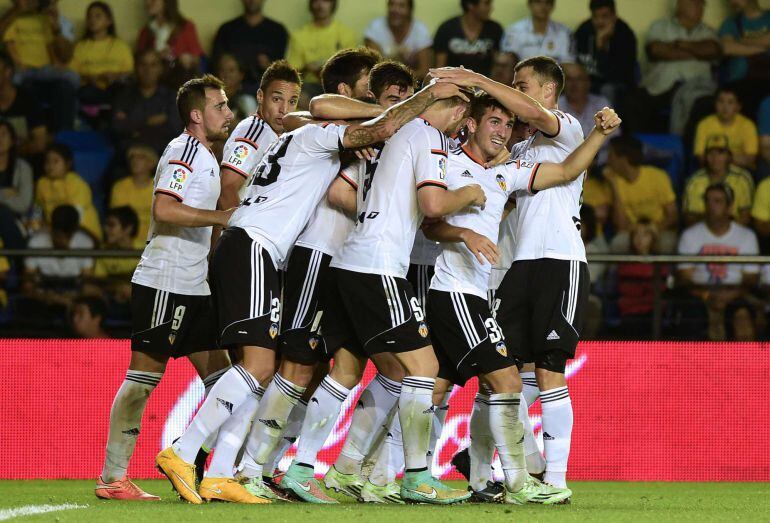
501	182
502	349
273	330
423	330
313	342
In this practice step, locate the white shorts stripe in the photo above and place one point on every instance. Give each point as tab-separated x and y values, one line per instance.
464	318
154	316
308	286
260	283
398	307
253	270
386	289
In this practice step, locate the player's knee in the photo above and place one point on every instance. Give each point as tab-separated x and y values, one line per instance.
388	366
550	369
347	377
218	360
504	381
298	373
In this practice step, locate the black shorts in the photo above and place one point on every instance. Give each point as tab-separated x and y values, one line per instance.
300	340
466	337
370	313
420	276
169	324
246	290
542	307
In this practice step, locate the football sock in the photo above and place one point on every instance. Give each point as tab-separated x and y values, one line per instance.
482	448
208	383
290	435
442	409
416	411
125	421
557	434
232	434
230	391
322	412
280	399
529	392
508	433
370	416
389	459
532	454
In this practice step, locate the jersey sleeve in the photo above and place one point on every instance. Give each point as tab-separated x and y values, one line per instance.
430	157
569	133
519	176
323	140
175	177
242	149
351	174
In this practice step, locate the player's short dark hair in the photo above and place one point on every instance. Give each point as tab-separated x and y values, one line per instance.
192	95
127	217
600	4
483	101
546	68
62	150
720	187
280	70
96	305
346	66
628	147
65	219
388	73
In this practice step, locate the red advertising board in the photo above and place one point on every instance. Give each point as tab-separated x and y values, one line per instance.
652	411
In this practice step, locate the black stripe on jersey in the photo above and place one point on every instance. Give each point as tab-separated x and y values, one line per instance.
256	132
251	125
186	147
194	154
431	183
191	152
558	129
532	177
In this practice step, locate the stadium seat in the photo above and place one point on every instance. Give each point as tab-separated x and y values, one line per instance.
667	152
92	153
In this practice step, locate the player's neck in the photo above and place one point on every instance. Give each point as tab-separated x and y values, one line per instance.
473	150
437	118
198	133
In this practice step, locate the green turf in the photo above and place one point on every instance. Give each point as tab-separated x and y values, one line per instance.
611	502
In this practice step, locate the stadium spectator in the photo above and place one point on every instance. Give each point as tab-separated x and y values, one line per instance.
745	38
87	317
22	110
400	37
639	192
727	120
763	121
741	321
606	46
471	40
502	69
254	39
594	244
597	193
718	168
16	188
135	190
242	102
34	38
718	284
50	283
681	51
60	185
538	35
102	60
146	110
174	37
578	101
312	44
636	285
760	214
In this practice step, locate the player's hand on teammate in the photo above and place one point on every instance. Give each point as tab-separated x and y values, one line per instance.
366	153
482	247
442	90
476	195
502	157
225	216
606	121
458	76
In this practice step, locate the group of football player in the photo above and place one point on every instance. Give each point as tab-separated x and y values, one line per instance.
435	234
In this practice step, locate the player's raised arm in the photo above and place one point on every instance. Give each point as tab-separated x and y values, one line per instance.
519	103
385	125
168	209
339	107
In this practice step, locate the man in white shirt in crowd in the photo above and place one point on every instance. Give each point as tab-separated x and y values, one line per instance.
400	37
538	35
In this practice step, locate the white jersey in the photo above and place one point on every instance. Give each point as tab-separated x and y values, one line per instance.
176	258
245	148
457	268
289	183
548	221
414	157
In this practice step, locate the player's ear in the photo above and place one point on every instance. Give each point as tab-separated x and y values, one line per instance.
549	89
344	89
196	116
260	96
370	95
470	123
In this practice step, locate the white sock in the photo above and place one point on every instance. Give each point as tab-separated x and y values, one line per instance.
482	448
322	412
415	408
370	416
125	421
529	392
280	399
290	435
557	434
532	455
442	409
232	434
208	384
225	397
389	459
508	433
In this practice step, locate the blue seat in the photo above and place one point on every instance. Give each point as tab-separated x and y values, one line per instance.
92	154
666	151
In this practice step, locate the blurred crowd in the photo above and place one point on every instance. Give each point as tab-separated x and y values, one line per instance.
84	117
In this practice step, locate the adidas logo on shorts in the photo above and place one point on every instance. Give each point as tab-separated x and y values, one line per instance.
552	336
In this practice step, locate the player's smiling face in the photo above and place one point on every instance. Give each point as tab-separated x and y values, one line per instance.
216	115
493	132
281	98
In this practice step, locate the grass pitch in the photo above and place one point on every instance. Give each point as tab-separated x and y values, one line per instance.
611	502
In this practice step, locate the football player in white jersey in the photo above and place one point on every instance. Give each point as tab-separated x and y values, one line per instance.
277	96
467	338
375	307
172	315
543	295
290	182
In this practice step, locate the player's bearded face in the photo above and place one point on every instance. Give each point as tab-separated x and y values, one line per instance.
216	116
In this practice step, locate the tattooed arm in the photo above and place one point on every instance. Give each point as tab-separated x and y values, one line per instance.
384	126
